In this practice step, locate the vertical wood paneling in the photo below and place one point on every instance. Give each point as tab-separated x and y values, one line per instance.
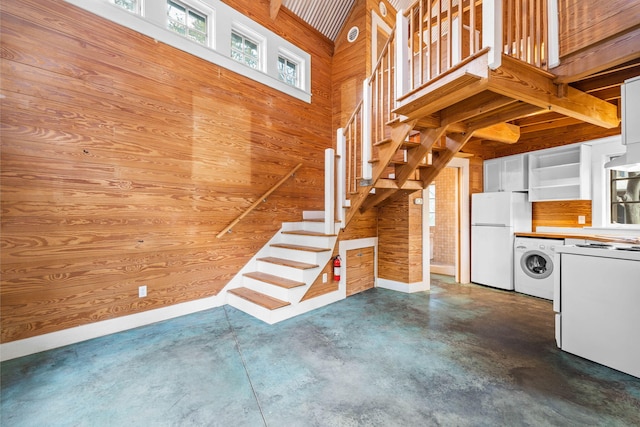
122	158
400	240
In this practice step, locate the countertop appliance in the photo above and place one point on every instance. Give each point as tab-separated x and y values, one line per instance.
596	297
495	217
533	265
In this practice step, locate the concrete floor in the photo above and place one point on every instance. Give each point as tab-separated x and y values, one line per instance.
459	355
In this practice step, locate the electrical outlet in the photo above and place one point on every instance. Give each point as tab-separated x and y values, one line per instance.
324	278
582	219
142	291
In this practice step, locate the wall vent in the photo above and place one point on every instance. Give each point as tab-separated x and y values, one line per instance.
353	34
383	9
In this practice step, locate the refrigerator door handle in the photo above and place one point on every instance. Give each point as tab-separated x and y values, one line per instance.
486	224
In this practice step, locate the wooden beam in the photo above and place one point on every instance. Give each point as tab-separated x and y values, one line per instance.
481	103
607	54
505	114
275	8
454	143
416	154
501	132
536	87
391	184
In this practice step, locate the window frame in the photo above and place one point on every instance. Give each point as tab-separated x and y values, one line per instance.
190	9
221	18
611	193
253	36
300	67
139	7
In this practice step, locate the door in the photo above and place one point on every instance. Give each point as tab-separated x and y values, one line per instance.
360	270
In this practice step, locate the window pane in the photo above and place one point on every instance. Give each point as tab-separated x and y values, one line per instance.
176	12
130	5
625	197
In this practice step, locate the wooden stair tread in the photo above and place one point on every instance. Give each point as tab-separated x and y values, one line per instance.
382	142
299	247
288	263
274	280
259	298
307	233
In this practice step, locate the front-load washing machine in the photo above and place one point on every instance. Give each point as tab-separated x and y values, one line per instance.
533	266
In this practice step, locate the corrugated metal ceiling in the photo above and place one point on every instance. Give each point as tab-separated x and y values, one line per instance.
328	16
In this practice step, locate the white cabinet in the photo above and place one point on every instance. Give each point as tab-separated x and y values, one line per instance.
506	173
631	104
560	173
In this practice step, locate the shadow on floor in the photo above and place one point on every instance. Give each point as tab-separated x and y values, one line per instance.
456	355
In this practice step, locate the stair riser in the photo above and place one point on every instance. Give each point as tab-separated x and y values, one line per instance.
273	290
317	227
250	308
287	272
304	240
312	214
300	256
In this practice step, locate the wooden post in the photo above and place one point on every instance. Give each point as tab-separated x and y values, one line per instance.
492	31
329	191
553	38
402	41
367	168
341	148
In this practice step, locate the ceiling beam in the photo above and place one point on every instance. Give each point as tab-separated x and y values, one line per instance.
536	87
275	8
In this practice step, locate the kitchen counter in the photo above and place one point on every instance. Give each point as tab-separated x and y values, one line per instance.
594	237
602	252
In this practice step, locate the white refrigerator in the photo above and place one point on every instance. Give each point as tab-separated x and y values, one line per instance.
495	217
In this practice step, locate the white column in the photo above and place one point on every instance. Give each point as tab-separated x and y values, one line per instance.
492	31
329	191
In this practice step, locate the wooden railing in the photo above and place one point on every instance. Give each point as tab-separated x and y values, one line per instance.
260	199
443	33
525	31
367	126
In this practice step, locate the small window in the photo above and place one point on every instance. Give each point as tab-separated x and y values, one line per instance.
187	22
245	50
288	71
130	5
625	197
432	205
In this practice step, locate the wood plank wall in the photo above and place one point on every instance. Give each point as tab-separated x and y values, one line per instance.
122	158
584	23
400	240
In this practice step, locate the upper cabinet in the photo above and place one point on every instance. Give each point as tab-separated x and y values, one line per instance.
506	173
560	173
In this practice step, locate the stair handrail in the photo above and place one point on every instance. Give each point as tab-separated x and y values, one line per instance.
261	199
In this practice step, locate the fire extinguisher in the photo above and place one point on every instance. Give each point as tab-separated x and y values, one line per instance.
336	268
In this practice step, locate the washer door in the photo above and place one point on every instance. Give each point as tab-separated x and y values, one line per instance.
536	264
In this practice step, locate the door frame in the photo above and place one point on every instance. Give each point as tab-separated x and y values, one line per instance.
463	240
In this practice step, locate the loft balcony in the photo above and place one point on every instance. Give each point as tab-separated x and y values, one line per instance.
452	70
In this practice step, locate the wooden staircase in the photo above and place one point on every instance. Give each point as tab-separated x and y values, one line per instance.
272	285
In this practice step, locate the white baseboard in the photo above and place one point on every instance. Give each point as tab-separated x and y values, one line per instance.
52	340
403	287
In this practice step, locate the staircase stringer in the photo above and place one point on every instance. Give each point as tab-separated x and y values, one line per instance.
398	134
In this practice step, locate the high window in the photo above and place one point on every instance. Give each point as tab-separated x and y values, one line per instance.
288	71
625	197
130	5
187	21
245	50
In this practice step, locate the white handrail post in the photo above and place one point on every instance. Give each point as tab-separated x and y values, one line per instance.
492	31
329	191
553	38
341	166
401	47
367	168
